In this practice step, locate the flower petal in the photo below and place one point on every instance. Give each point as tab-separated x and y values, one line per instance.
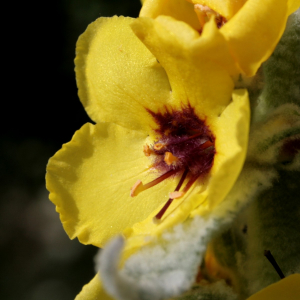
117	76
287	288
232	131
293	5
254	31
193	76
212	44
90	178
180	10
93	291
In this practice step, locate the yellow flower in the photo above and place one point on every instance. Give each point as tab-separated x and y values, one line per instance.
249	31
178	123
287	288
171	116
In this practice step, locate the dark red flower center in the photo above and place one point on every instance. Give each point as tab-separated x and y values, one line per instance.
184	147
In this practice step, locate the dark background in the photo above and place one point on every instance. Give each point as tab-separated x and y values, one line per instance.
41	111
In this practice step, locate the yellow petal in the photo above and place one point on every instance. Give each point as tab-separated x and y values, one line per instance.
293	5
193	76
285	289
90	178
93	291
231	131
213	45
178	9
226	8
254	31
117	76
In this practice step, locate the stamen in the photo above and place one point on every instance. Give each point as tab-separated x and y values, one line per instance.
175	195
170	158
147	150
168	203
204	9
159	146
184	145
204	14
207	144
190	138
133	190
139	186
190	183
163	210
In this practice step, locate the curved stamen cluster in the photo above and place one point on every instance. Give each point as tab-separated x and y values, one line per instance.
184	147
204	13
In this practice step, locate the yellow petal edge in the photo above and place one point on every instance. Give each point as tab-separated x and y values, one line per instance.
285	289
93	291
178	9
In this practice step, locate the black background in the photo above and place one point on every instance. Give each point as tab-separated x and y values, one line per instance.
41	111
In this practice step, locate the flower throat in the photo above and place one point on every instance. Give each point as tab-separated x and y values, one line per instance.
184	148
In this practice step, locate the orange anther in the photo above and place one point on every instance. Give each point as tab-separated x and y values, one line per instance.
204	8
170	158
147	150
203	13
158	146
176	195
136	188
